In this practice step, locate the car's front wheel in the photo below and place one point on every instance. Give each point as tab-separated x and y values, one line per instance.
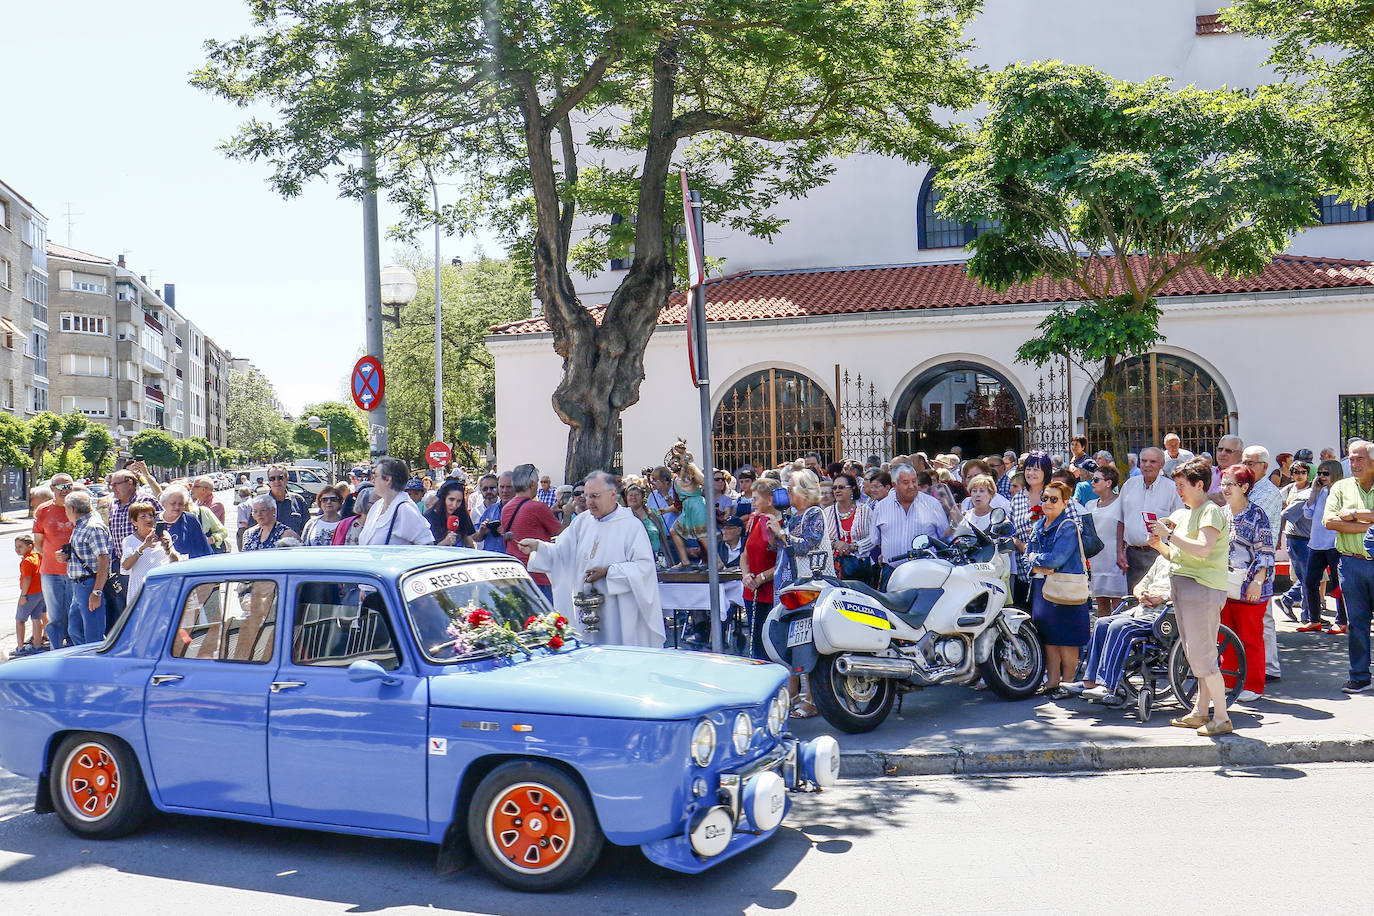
532	826
97	787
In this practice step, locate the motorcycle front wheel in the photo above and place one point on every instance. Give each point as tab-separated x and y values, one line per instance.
1017	664
851	704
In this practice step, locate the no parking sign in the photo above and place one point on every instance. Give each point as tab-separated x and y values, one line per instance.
368	383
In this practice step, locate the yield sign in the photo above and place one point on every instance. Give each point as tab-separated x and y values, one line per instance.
368	383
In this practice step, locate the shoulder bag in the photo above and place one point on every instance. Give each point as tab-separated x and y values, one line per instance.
1068	588
1087	530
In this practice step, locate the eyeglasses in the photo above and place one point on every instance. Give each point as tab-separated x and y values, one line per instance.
579	493
1323	473
1251	461
1050	499
489	489
64	486
276	478
718	479
330	499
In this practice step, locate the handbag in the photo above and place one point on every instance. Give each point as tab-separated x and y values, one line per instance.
1068	588
1235	584
1087	528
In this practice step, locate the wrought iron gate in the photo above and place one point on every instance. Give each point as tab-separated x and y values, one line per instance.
772	416
1357	418
865	424
1160	393
1049	410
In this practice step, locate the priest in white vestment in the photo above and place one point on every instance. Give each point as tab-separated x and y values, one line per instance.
605	549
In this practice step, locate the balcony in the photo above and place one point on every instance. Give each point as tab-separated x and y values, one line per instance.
153	394
154	364
152	322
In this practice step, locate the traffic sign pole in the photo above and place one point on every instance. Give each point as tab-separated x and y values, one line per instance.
372	293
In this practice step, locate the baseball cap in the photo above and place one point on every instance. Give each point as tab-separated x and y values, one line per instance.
1086	464
415	483
361	473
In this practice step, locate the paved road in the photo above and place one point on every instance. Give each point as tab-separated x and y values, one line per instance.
1276	840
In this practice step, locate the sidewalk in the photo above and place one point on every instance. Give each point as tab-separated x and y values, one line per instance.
1305	718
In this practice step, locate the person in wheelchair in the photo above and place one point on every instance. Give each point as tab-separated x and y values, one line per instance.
1112	636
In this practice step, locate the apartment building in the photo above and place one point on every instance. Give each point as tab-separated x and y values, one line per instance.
116	345
23	305
216	394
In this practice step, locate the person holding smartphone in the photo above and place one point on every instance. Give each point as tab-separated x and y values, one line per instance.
146	549
449	520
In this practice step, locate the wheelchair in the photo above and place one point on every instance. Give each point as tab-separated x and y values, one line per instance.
1156	669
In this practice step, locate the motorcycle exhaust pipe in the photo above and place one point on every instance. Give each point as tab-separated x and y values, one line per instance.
868	666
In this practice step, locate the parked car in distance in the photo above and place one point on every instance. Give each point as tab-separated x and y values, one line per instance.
405	692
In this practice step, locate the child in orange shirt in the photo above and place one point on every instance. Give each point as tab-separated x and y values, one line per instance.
31	605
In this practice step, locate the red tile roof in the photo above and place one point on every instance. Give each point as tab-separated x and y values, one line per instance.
1210	24
842	291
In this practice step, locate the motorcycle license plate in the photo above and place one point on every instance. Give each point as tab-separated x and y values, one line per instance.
983	567
799	632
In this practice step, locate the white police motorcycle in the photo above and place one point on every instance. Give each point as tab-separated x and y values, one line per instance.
943	620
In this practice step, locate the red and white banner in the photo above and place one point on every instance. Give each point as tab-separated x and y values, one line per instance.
696	265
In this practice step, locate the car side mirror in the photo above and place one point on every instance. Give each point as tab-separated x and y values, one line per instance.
920	542
364	670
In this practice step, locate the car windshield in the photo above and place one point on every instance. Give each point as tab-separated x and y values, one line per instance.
441	603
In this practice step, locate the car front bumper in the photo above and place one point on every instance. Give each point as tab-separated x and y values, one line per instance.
747	809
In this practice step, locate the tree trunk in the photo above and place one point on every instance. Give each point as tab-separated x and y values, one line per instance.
603	365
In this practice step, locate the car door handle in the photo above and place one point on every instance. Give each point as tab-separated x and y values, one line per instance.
279	686
160	679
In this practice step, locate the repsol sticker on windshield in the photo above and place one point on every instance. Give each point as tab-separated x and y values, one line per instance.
465	574
862	613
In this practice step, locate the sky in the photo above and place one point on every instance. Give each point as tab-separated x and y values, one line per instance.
100	119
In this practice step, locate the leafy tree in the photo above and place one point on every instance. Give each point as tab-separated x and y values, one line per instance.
252	416
97	449
347	434
228	457
1069	160
193	452
1323	49
71	432
43	430
755	98
14	442
476	296
157	447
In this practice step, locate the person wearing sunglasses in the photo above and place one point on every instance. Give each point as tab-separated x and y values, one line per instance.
52	530
293	510
1054	546
319	531
1295	529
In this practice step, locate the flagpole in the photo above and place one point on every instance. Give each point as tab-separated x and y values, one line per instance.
697	321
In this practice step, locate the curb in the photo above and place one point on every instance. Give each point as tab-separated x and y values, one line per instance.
1231	750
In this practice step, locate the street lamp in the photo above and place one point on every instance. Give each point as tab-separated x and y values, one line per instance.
397	288
315	423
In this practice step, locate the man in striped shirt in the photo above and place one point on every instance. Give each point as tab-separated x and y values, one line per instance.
904	514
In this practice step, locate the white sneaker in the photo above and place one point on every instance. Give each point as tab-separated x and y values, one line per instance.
1248	696
1095	693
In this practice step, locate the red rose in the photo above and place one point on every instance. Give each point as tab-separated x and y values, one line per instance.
560	621
478	617
555	643
1035	513
531	619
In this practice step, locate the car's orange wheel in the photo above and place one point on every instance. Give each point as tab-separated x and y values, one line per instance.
90	781
532	826
97	787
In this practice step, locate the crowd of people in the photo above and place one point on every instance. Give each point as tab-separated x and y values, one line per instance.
1202	532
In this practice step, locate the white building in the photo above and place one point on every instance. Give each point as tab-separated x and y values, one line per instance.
866	280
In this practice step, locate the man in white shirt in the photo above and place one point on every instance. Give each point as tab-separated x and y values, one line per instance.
905	513
1174	454
1150	492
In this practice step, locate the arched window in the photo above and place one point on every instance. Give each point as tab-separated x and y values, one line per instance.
1159	394
1332	211
933	230
959	403
772	416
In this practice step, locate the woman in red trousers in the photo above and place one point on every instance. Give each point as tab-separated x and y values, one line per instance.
1250	577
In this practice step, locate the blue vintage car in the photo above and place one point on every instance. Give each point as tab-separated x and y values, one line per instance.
324	688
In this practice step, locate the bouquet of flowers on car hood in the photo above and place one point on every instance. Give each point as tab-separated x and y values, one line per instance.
552	625
475	631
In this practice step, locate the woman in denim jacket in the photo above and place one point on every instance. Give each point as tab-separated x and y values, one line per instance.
1054	546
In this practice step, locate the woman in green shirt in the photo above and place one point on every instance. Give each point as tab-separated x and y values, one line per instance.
636	500
1195	540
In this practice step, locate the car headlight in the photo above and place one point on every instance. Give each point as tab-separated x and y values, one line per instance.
703	743
777	713
742	733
